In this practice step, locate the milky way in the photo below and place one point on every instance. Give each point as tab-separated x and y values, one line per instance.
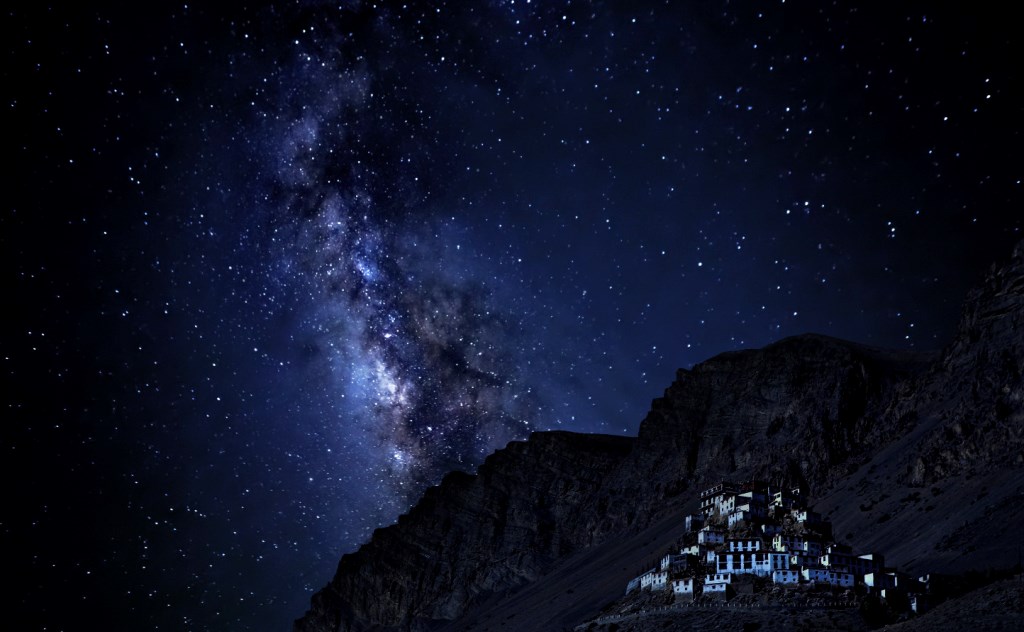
416	359
274	269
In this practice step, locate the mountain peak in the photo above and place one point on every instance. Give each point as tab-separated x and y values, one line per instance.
892	442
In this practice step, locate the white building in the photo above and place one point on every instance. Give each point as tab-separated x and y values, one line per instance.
712	499
745	544
778	561
717	583
879	581
754	511
856	564
786	576
707	535
673	562
870	562
826	576
908	584
753	498
659	581
646	579
788	499
785	543
682	586
714	588
738	517
807	516
744	563
836	560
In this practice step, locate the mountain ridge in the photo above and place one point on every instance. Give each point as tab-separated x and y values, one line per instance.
865	428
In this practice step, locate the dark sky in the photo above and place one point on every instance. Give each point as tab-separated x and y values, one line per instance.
273	269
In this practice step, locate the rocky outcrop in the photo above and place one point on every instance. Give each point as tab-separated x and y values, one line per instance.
473	534
862	427
804	410
976	391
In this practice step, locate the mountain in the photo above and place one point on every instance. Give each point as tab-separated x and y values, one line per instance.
917	455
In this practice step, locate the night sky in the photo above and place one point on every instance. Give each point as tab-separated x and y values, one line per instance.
271	270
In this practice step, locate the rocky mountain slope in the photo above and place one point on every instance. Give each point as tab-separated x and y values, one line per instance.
994	607
892	444
474	534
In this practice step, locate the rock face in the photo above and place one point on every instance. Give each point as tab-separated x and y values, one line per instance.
473	534
803	410
977	390
888	442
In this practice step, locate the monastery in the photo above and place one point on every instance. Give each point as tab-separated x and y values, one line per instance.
755	529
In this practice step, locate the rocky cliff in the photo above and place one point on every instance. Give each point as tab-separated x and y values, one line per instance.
976	391
473	534
889	441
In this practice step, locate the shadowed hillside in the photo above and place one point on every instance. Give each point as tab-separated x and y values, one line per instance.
916	455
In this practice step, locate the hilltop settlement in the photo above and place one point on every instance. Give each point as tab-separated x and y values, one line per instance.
761	537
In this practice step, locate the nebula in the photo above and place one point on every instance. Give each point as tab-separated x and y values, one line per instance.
400	328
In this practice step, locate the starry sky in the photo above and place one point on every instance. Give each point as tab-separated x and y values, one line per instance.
274	268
